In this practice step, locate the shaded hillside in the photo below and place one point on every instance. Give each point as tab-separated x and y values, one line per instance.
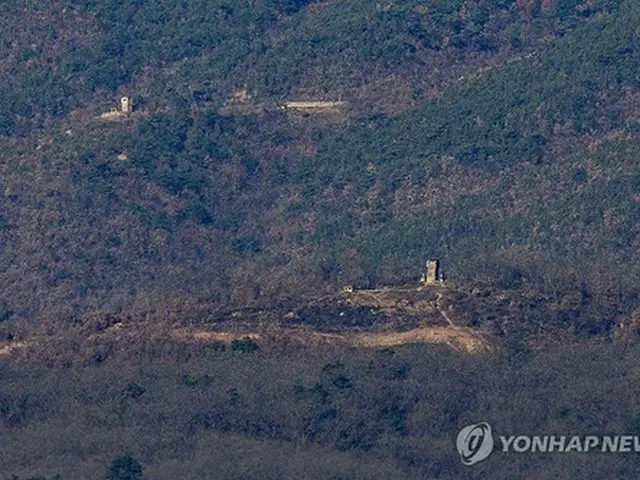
391	413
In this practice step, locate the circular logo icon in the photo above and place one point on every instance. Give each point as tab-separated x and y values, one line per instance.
474	443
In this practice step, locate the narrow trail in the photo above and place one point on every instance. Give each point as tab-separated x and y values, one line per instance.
10	348
459	338
442	312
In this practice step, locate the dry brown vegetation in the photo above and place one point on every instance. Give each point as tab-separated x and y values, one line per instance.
474	320
168	280
331	411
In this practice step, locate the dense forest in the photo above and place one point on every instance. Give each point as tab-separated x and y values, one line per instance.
501	137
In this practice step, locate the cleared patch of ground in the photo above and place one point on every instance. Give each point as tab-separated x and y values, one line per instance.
468	320
459	338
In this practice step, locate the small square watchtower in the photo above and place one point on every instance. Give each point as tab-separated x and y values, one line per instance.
432	274
125	105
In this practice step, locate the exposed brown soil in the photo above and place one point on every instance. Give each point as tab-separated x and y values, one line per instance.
458	338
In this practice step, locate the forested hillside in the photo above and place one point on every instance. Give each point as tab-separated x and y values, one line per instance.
499	136
224	284
334	414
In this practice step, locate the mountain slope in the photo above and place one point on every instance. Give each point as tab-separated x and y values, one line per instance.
499	137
